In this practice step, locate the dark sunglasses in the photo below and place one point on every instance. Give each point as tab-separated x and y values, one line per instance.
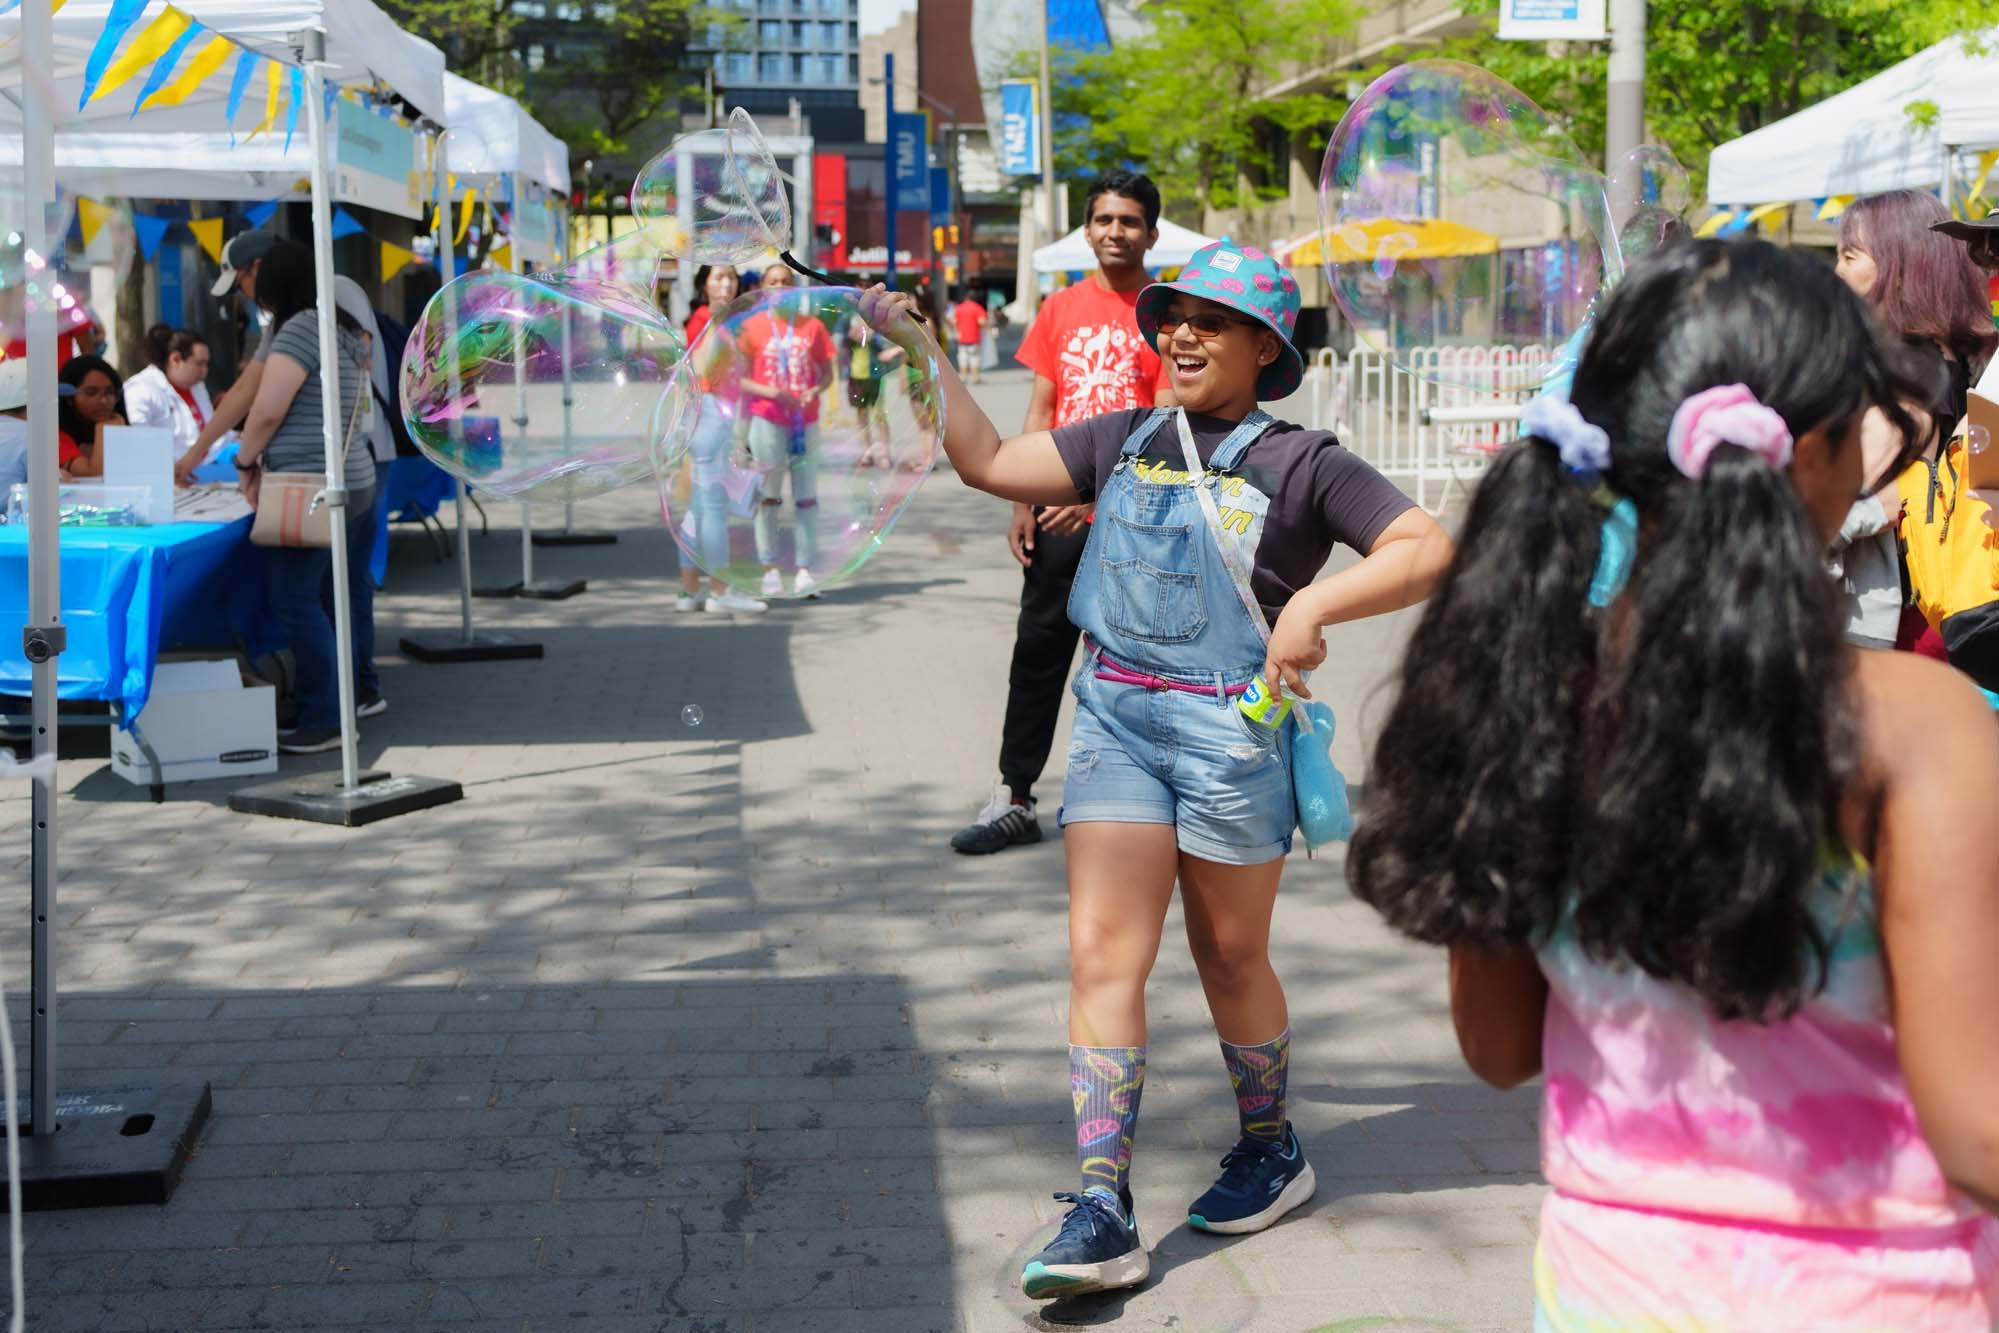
1206	324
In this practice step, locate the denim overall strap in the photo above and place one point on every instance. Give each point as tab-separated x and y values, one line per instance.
1229	454
1141	434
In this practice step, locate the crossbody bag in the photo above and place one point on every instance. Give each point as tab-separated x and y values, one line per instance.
291	506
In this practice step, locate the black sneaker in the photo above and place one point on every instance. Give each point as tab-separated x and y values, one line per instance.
1001	825
309	740
371	705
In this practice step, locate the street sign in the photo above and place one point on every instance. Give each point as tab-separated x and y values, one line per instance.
1552	20
909	160
1020	128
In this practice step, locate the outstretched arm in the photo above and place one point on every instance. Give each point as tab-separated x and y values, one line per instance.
1027	467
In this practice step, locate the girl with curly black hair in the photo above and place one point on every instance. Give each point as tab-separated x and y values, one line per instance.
1729	884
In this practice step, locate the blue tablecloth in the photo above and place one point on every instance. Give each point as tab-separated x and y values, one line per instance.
127	594
414	489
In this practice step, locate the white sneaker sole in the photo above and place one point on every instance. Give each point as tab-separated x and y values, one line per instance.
1295	1194
1053	1281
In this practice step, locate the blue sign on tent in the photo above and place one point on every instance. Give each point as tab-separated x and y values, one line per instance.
909	161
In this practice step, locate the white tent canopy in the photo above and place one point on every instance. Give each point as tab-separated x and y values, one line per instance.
1863	141
1072	253
363	46
490	134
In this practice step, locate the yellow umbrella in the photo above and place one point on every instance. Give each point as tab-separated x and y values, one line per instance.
1353	242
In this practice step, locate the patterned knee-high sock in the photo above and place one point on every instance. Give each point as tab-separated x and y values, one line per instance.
1106	1082
1258	1073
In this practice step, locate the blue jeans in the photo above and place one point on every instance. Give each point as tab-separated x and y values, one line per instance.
299	582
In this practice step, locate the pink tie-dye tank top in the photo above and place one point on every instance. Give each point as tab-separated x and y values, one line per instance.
1713	1174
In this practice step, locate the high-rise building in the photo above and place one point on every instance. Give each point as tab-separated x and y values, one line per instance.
781	56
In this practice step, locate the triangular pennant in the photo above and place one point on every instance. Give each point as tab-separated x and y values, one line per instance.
206	61
164	66
1771	213
1714	224
395	259
259	214
502	256
150	230
1832	206
153	42
124	13
246	65
90	216
297	100
464	218
273	81
208	233
344	224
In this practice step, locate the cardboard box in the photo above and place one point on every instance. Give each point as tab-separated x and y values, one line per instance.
201	722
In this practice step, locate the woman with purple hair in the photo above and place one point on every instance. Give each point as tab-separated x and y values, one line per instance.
1923	288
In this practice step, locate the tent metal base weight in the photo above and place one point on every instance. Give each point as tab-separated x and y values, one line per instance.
320	798
478	648
576	537
113	1146
551	590
499	590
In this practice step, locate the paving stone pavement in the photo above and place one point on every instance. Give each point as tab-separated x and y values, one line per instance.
671	1027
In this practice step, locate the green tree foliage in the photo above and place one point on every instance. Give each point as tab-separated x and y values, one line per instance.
607	73
1717	69
1180	100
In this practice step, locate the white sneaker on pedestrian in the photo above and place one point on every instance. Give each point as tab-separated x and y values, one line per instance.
773	585
805	585
733	601
687	601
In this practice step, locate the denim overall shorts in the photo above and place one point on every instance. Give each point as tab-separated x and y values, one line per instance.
1154	598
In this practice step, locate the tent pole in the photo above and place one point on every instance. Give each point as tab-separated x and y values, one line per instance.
312	48
43	637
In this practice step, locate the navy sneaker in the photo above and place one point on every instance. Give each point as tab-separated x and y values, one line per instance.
1262	1179
1097	1249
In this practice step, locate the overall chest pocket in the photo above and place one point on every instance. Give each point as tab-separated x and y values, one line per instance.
1152	584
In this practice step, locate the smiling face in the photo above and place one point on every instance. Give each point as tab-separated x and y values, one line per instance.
1117	233
1213	355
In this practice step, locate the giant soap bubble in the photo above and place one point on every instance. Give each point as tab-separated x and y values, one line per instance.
539	387
1456	214
717	196
1649	190
791	438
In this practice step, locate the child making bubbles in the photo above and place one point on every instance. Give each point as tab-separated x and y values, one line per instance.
1167	778
1730	885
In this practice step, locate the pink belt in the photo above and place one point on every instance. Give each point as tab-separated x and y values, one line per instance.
1109	670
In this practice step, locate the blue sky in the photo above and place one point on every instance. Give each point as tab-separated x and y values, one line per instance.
879	15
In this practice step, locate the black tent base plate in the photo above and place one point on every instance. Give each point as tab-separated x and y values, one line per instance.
551	590
576	537
113	1146
481	648
318	797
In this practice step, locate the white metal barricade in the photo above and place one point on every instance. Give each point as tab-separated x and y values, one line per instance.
1384	413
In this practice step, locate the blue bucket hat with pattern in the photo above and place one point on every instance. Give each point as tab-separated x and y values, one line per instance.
1248	281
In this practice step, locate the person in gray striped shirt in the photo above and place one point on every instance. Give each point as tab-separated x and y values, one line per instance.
285	432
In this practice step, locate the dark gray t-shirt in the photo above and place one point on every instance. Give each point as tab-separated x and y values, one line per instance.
1295	494
299	444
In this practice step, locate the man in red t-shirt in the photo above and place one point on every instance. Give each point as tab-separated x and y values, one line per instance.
970	317
1088	358
788	362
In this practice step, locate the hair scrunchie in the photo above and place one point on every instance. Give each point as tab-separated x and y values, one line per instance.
1583	445
1725	414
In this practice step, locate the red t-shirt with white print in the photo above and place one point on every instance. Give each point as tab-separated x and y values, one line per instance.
1086	340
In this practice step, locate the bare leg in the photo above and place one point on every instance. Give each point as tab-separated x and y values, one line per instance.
1228	929
1120	882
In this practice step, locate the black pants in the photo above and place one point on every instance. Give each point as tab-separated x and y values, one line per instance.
1044	645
